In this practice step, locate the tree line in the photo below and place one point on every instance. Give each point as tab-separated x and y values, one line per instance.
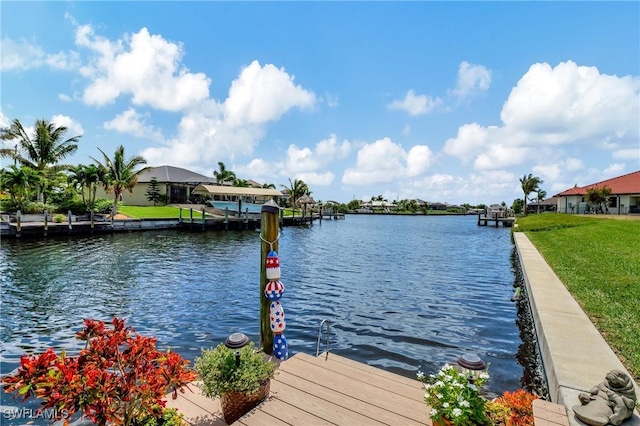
39	177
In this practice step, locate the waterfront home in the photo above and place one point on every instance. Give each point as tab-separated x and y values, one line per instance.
175	183
548	205
624	197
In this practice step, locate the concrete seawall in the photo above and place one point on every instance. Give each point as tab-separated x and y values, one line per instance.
575	355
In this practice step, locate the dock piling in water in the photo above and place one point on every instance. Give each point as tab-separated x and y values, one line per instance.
269	233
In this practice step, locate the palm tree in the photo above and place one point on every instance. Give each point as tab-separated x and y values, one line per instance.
223	175
529	184
85	179
242	183
540	196
269	185
296	189
18	182
119	173
45	150
42	152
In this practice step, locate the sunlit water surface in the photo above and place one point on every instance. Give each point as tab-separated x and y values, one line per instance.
404	293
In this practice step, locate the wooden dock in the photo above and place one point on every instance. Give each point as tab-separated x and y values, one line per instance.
309	390
484	220
334	390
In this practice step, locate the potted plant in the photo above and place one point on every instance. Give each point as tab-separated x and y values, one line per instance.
454	398
241	378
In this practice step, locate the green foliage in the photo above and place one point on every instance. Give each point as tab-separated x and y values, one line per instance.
119	173
59	218
153	191
518	205
343	208
599	196
38	208
219	373
353	204
103	205
162	417
598	260
529	184
223	175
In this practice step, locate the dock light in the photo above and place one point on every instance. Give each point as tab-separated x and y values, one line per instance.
472	366
237	341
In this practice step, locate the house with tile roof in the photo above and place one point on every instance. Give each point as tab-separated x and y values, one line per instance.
624	197
174	182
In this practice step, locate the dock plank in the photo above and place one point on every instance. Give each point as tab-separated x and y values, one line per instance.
346	401
319	360
353	373
381	396
287	413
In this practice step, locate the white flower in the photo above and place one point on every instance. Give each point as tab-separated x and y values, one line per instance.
420	375
433	412
464	403
456	412
439	383
439	396
472	386
445	405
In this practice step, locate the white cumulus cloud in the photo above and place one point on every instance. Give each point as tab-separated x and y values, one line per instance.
263	93
132	123
386	161
147	67
551	108
74	128
414	104
472	79
24	55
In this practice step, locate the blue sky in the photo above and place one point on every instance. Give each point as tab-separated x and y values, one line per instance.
442	101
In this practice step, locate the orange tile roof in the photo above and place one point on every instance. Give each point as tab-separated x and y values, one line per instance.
625	184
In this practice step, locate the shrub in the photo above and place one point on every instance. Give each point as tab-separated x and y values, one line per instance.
103	205
38	208
76	206
520	405
59	218
120	377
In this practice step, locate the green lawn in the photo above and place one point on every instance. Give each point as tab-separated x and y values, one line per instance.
156	212
598	259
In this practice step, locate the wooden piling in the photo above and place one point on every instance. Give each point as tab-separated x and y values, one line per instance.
18	223
46	222
269	232
204	220
69	220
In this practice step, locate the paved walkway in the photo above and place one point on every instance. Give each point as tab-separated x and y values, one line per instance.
575	355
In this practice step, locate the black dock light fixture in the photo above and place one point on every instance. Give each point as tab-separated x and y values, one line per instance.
237	341
472	366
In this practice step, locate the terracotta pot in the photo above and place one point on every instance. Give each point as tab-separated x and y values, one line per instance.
443	422
237	404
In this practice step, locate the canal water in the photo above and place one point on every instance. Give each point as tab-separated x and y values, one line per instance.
404	293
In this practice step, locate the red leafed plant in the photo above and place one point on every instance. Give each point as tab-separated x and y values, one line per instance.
119	377
520	403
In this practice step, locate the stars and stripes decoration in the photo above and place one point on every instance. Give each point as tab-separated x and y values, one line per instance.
280	348
273	266
274	289
273	292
